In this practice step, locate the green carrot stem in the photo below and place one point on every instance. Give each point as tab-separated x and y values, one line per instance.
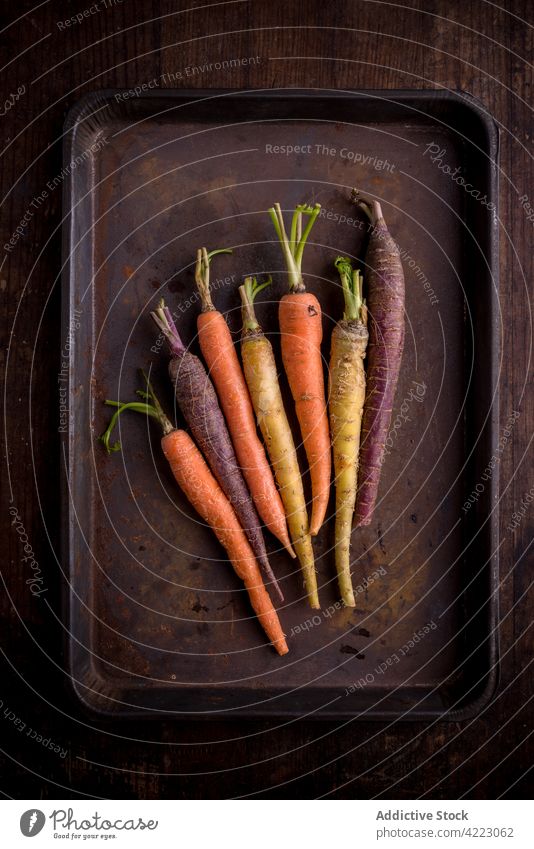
352	283
152	409
248	292
295	278
296	231
202	275
372	208
312	212
293	246
164	320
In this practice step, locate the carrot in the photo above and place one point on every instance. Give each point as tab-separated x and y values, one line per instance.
385	303
346	398
299	316
205	495
218	349
262	380
198	402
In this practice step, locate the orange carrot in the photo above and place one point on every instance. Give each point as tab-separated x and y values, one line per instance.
301	332
204	493
221	358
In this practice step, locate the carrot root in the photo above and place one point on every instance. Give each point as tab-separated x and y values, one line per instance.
218	349
205	495
347	393
201	489
301	336
301	333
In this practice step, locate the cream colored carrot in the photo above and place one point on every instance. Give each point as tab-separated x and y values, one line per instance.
346	400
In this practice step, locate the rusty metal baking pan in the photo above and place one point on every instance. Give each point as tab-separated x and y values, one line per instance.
157	621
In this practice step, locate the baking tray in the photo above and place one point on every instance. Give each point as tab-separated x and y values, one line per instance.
157	621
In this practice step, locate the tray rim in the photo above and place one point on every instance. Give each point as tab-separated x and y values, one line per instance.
81	110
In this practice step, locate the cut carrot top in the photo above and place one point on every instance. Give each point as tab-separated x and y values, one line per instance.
293	246
352	283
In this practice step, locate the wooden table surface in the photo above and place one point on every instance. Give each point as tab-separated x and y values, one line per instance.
478	46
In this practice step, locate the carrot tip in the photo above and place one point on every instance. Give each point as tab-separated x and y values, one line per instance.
278	591
315	527
362	522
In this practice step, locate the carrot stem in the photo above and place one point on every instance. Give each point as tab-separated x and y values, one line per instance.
153	409
293	247
312	212
372	208
164	320
352	283
202	275
248	292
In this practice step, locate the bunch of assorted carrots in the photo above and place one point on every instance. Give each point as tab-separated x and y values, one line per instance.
236	482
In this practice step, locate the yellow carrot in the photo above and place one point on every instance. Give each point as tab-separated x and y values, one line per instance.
346	400
262	381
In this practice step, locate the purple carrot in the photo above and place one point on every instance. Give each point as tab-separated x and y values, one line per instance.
198	402
385	305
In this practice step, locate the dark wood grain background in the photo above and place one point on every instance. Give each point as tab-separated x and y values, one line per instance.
477	46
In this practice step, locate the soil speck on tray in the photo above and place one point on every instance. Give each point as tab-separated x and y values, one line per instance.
381	540
352	650
228	603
